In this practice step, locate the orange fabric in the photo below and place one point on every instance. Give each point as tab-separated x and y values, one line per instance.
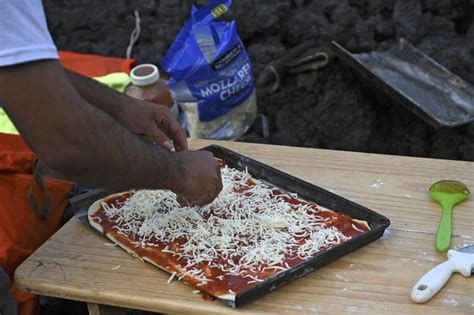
94	65
30	307
21	230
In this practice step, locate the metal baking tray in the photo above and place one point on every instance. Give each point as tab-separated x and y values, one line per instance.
378	223
416	81
286	182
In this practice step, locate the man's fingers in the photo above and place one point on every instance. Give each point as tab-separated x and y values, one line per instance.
207	199
173	130
160	137
168	144
188	202
179	136
183	201
201	201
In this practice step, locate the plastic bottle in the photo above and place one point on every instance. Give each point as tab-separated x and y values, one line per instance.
148	86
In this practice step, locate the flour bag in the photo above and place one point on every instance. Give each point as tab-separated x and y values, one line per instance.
211	75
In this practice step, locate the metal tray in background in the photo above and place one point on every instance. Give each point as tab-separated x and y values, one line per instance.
284	181
416	81
309	192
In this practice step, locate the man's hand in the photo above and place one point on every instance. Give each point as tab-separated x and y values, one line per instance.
201	182
155	122
143	118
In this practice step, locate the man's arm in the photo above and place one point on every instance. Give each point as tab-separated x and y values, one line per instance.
89	146
141	117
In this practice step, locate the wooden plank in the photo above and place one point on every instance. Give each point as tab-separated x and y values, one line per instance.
394	186
97	309
93	309
76	264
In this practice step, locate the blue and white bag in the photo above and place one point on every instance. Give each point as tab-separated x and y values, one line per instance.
211	75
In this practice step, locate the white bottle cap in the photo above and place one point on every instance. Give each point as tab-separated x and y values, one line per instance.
145	74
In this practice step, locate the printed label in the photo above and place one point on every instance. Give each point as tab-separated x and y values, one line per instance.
229	87
227	58
219	10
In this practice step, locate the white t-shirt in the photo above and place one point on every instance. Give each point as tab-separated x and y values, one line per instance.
24	34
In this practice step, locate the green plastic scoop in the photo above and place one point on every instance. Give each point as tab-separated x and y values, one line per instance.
447	193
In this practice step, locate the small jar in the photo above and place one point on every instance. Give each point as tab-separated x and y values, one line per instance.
148	86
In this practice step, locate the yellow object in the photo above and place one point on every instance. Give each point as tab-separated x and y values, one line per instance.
6	125
117	81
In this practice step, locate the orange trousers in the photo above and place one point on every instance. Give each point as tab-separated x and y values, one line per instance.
22	231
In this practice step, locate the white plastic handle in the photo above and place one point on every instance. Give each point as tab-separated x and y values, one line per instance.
437	277
432	282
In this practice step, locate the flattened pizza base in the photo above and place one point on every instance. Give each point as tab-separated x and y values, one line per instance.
168	263
96	206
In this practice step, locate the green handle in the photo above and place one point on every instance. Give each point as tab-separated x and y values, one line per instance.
443	239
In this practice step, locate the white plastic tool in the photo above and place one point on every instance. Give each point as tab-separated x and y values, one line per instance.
461	260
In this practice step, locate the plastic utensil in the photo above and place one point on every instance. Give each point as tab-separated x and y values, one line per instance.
447	193
461	260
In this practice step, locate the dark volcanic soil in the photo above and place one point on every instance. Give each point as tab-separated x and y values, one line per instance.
333	108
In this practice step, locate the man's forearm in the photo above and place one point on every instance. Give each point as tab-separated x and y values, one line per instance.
128	161
77	139
100	95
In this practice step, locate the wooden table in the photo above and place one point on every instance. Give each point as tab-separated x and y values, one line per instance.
76	263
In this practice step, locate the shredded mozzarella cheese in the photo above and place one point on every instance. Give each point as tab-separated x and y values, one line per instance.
116	267
247	225
171	277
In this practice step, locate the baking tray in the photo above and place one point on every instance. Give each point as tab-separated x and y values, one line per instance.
416	81
306	191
